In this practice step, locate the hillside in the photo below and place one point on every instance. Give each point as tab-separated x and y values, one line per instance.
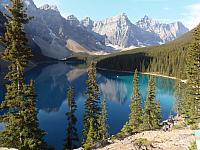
168	59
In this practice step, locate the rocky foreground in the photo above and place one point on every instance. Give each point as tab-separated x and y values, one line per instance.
158	140
152	140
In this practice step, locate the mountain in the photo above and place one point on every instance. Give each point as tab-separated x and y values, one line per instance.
120	31
57	37
87	23
166	32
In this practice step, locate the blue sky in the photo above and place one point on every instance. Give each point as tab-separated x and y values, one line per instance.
186	11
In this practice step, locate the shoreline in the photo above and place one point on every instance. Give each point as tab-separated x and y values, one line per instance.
145	73
112	70
164	76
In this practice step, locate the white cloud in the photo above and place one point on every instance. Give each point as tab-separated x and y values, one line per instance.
192	15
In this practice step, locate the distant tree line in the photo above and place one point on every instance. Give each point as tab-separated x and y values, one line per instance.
168	59
170	63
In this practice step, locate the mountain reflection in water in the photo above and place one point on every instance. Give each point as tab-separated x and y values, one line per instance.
52	81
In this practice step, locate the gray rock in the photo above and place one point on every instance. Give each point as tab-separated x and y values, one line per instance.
120	31
166	32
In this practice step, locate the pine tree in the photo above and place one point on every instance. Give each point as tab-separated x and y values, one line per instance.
32	134
91	135
152	115
72	135
158	115
18	98
192	96
103	126
135	117
92	108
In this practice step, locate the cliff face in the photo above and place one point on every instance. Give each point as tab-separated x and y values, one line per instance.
166	32
120	31
51	32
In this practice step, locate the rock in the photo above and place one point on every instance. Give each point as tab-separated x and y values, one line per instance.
166	32
174	140
120	31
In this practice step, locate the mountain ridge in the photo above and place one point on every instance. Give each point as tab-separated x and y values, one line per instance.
167	32
61	36
114	26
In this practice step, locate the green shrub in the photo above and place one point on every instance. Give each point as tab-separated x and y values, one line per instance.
193	146
194	126
143	142
180	126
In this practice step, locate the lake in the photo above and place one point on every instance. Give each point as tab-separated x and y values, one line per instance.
52	81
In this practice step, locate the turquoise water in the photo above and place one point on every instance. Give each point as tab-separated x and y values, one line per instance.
52	81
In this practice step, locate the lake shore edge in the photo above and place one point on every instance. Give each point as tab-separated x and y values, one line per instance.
164	76
145	73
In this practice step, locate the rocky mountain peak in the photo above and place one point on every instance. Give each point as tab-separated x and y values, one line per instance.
73	20
166	32
146	22
147	18
119	31
87	23
49	7
123	18
71	17
115	22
